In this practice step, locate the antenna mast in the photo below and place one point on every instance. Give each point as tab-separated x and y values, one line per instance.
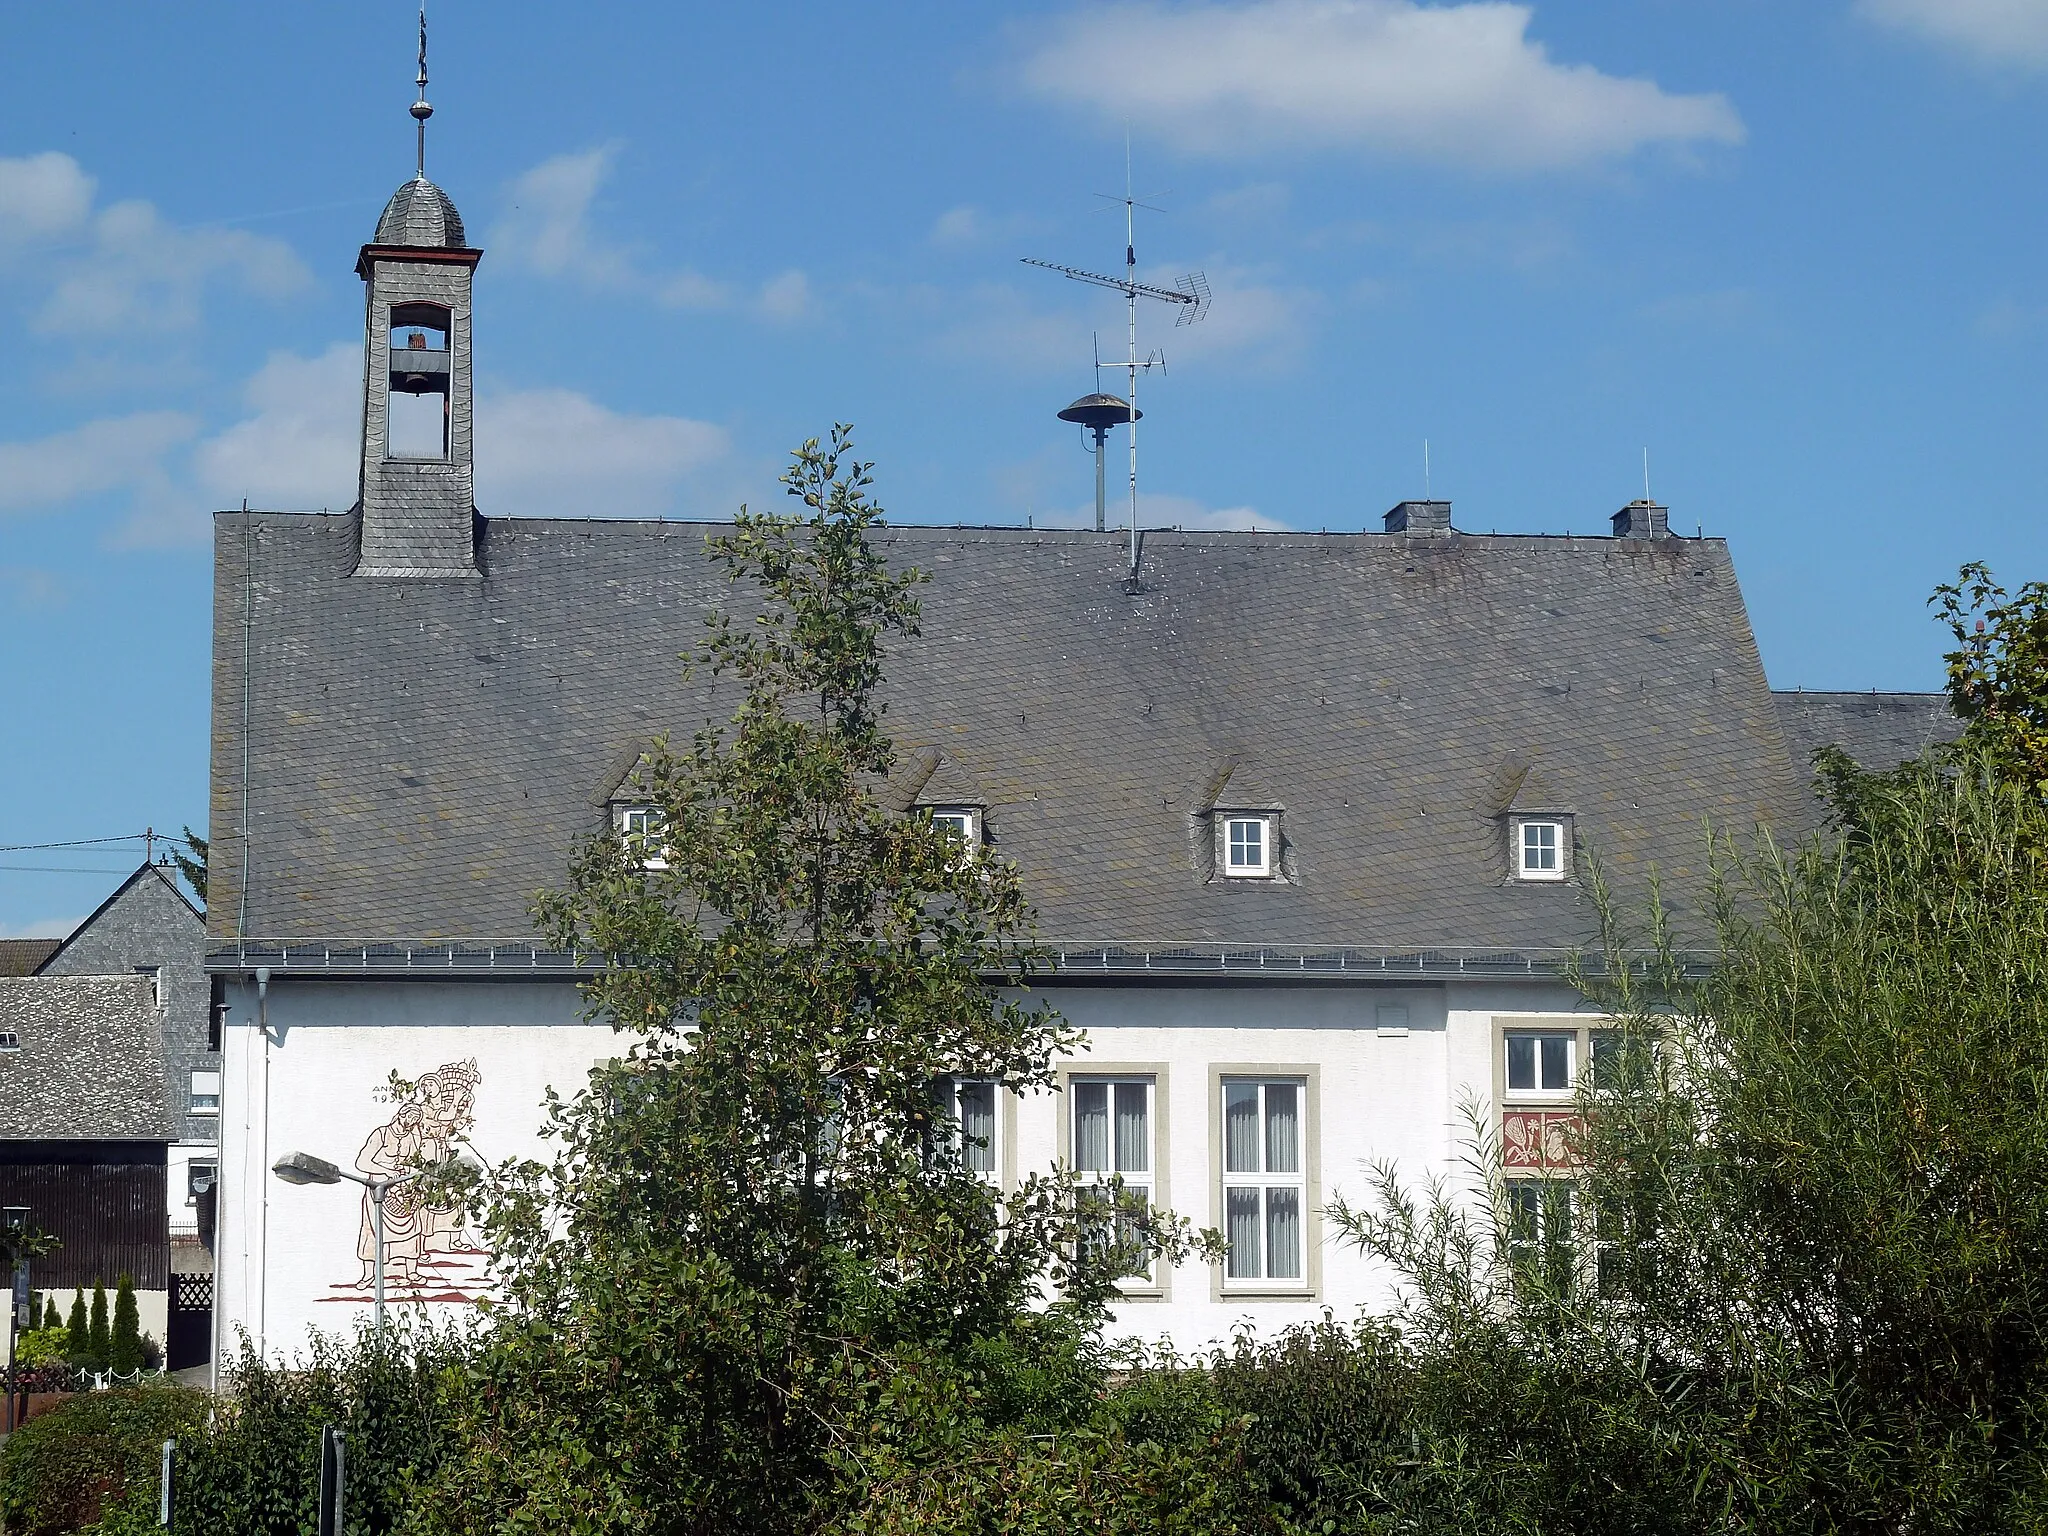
1190	293
420	110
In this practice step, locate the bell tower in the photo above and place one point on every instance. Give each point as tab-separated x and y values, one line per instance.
416	496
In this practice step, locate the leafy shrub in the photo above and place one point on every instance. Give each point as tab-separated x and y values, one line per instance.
256	1470
86	1457
45	1346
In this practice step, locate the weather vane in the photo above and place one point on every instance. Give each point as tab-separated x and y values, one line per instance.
421	111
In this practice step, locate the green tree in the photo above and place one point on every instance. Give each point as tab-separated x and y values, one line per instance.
1810	1288
1998	672
99	1341
124	1348
759	1266
191	862
50	1317
78	1332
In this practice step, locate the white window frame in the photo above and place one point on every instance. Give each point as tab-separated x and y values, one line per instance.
1560	850
965	820
212	1167
1265	1183
1554	1198
10	1040
638	827
949	1089
155	973
1263	868
1147	1181
196	1105
1574	1051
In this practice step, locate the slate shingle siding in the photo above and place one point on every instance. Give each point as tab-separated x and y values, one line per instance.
424	755
90	1063
149	922
1878	730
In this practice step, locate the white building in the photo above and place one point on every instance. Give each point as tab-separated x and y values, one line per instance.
1302	813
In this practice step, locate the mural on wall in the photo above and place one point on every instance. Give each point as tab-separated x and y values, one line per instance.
1538	1138
431	1254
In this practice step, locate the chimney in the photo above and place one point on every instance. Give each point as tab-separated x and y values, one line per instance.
1420	517
1642	519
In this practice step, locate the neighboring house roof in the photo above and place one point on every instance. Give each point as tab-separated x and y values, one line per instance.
24	957
1878	730
84	932
424	755
90	1061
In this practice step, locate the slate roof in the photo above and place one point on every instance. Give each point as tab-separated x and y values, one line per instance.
24	957
423	755
420	214
1878	730
90	1063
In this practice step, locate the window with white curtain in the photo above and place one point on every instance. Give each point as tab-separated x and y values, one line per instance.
971	1102
1112	1136
1265	1194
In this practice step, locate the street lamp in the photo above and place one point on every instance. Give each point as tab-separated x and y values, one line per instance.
305	1168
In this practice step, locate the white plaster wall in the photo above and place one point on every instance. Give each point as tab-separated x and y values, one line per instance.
287	1255
183	1207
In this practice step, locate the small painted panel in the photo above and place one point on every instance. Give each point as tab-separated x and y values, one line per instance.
1537	1138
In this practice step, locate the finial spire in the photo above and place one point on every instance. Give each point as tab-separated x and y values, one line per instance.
420	110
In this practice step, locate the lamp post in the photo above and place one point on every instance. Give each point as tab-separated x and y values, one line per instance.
305	1168
15	1220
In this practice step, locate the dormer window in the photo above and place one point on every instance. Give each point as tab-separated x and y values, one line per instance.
1541	847
641	828
9	1040
1247	847
962	821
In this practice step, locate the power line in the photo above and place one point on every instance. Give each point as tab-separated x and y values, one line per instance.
66	869
80	842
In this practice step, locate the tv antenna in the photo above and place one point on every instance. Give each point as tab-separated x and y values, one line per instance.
1190	295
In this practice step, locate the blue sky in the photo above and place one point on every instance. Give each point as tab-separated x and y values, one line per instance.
1795	251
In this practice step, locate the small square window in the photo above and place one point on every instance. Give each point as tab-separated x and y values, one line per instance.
642	827
199	1178
1541	855
155	973
1248	846
205	1093
9	1040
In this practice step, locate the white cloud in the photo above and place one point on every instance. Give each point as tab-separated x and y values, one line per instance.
555	453
1996	32
44	928
1046	327
1158	509
25	588
297	449
113	453
42	196
123	269
1461	84
548	230
787	297
539	452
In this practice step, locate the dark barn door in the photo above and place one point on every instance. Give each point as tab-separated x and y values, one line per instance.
191	1325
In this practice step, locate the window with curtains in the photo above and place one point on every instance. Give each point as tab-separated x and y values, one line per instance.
970	1102
1112	1137
1265	1194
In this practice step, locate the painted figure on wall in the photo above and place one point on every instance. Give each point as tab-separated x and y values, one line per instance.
432	1116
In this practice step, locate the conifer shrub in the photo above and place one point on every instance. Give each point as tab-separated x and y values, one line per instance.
78	1332
99	1342
124	1347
